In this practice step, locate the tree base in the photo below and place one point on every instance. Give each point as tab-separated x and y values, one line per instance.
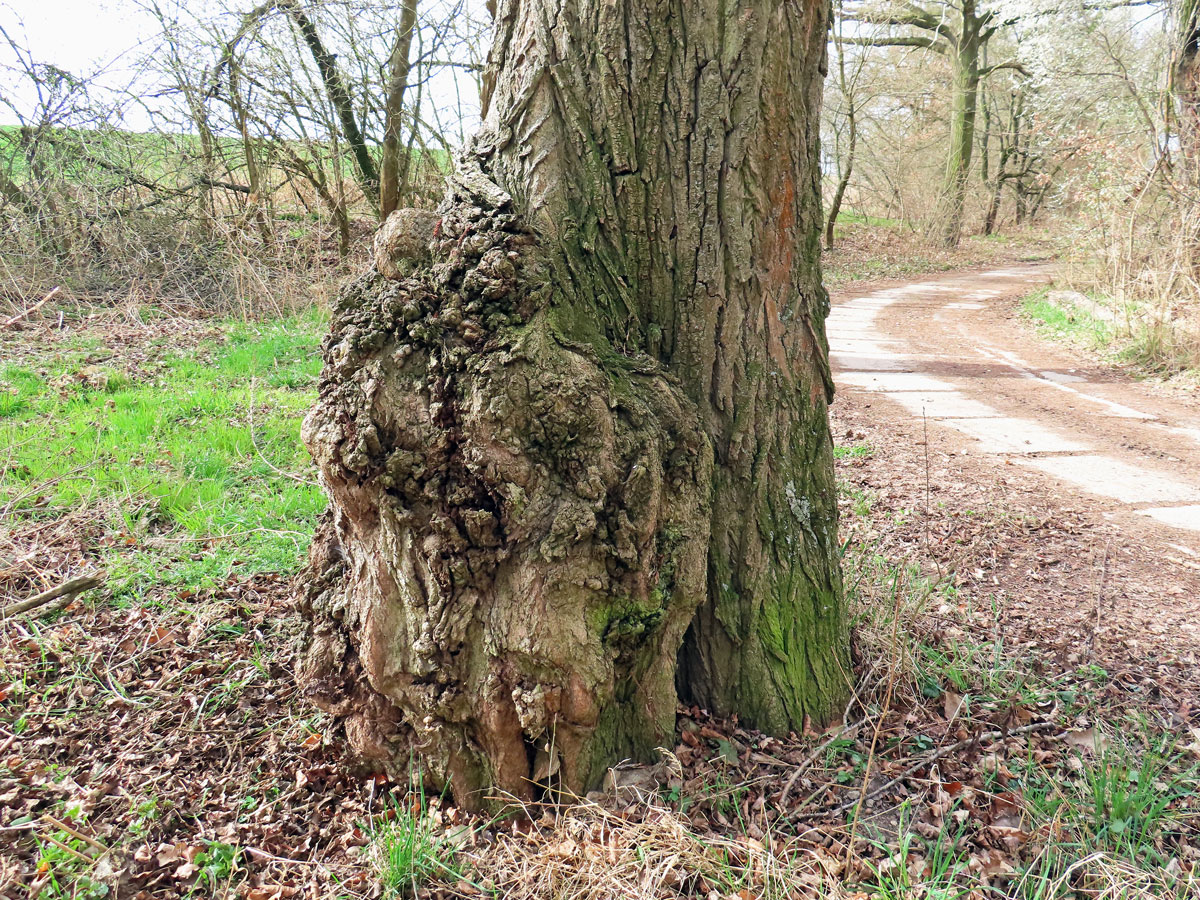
519	520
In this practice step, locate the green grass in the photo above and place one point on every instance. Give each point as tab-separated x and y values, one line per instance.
853	451
1065	320
410	850
854	217
943	876
1111	814
1155	346
189	492
1124	800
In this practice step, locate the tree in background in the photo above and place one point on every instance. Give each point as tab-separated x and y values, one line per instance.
960	30
394	167
333	93
848	100
573	425
1006	126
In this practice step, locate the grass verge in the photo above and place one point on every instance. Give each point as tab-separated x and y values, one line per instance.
1058	318
1149	342
187	468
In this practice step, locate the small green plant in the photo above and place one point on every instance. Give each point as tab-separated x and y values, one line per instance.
218	868
853	451
726	796
941	867
861	501
409	851
1043	879
145	814
67	872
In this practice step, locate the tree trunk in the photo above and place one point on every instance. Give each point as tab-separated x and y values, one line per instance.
989	221
835	206
339	97
398	67
1021	196
962	127
1185	82
993	212
257	196
839	193
581	411
1037	197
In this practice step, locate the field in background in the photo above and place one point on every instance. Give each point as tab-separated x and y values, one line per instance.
256	228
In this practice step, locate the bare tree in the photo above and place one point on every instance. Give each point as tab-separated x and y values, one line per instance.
277	113
399	66
960	30
849	102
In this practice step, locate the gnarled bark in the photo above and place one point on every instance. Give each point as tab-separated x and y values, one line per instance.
521	522
594	417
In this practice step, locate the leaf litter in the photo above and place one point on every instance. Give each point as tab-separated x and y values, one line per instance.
160	749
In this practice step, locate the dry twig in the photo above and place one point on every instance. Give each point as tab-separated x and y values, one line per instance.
67	589
8	323
931	758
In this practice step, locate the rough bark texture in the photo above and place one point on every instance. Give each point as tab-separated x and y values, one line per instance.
1185	83
963	108
595	418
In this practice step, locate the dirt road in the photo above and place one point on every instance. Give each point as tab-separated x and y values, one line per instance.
1088	480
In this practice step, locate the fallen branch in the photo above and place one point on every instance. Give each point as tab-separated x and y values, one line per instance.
66	849
69	589
78	835
8	323
812	757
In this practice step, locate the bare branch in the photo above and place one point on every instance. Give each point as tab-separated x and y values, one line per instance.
923	42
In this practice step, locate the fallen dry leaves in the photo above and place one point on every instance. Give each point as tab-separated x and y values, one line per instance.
171	735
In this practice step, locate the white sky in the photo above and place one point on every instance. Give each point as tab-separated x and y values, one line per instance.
83	37
86	37
70	32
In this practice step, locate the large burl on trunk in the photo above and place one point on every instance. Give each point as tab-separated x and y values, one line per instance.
573	424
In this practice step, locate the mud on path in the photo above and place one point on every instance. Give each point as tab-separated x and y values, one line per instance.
1063	494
